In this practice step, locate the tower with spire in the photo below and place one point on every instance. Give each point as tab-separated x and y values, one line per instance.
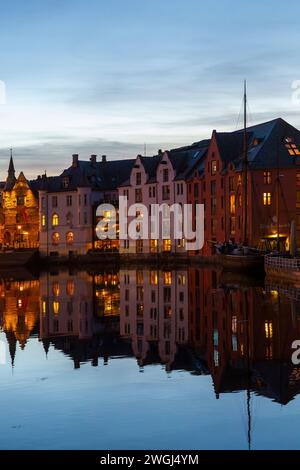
11	178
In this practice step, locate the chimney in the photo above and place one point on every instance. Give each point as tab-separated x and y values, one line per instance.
160	152
93	160
75	160
103	158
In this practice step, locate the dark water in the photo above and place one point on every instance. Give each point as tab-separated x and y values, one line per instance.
148	359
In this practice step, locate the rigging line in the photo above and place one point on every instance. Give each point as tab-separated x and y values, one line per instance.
239	115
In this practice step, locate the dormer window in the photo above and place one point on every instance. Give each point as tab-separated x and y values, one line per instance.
291	146
165	175
214	167
138	179
65	182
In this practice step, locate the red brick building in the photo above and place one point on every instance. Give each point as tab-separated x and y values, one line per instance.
273	185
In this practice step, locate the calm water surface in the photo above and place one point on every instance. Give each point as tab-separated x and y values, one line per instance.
147	359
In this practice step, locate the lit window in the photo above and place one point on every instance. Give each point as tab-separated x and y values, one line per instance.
55	220
44	307
153	278
43	220
269	329
232	203
213	167
55	289
168	278
291	146
70	288
55	238
167	245
55	307
70	238
267	177
153	246
267	199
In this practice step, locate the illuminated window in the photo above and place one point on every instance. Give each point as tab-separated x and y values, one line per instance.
43	220
153	278
232	203
55	289
153	246
167	311
55	238
267	199
269	351
139	277
55	220
70	287
269	329
167	245
213	167
232	225
20	303
267	177
291	146
70	238
55	307
44	307
168	278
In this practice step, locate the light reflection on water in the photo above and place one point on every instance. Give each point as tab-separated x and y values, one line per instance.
147	358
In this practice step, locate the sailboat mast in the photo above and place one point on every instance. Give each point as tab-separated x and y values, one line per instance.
245	171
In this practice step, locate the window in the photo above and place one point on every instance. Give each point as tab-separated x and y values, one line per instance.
232	203
138	195
167	278
213	167
43	220
65	182
167	245
291	146
267	199
20	200
138	179
165	175
153	278
55	307
85	199
55	220
55	238
126	193
70	238
213	205
267	177
167	294
269	329
196	190
70	289
139	246
213	187
232	225
54	201
43	202
165	192
85	218
153	246
55	289
231	183
213	227
69	201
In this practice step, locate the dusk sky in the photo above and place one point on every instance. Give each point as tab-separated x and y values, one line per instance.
105	77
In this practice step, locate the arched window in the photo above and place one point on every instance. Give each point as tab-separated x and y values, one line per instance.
70	238
55	238
43	220
55	220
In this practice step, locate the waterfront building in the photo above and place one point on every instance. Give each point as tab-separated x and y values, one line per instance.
68	205
19	211
159	180
273	186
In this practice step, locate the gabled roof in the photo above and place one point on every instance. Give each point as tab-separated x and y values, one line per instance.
185	159
266	145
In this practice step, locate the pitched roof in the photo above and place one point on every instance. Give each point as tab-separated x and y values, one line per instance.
266	145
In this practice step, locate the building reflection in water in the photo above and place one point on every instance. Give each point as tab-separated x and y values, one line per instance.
187	319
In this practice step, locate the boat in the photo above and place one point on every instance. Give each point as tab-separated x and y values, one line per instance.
241	257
